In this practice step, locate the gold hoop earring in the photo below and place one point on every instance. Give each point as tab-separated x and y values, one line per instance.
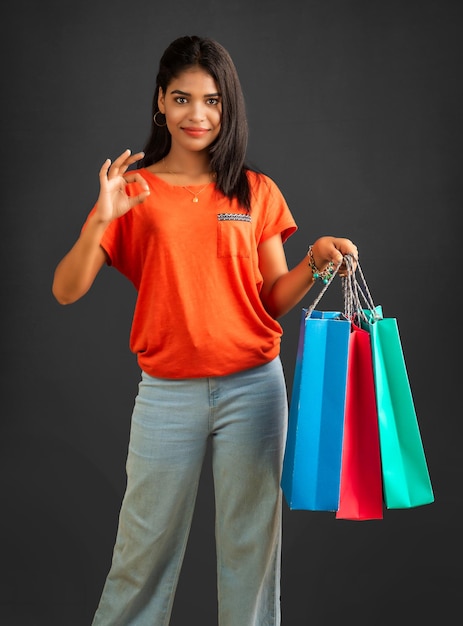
155	121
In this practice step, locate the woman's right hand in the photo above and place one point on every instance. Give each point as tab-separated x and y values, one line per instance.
113	200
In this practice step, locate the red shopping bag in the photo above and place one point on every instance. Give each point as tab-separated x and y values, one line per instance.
361	493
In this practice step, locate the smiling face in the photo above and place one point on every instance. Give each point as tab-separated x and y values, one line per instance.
192	105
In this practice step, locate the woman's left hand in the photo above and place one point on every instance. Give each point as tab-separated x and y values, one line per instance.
334	249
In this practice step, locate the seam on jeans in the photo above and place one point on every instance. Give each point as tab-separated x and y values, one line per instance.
213	401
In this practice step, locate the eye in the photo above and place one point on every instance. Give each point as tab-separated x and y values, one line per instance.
180	100
213	101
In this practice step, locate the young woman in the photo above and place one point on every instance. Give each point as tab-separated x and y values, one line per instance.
200	235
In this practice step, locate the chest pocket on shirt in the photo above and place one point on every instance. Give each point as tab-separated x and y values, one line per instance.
234	235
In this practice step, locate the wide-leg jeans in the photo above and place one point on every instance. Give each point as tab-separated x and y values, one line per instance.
245	415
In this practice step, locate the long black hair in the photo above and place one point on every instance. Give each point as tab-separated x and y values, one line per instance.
228	151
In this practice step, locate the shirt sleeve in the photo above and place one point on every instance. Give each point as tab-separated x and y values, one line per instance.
276	215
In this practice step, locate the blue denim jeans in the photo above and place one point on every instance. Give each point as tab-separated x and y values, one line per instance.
245	415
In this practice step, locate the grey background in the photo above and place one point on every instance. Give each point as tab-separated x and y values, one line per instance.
355	111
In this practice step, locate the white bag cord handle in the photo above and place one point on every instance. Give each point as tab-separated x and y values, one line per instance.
356	295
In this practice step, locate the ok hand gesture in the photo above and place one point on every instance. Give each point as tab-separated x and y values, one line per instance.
113	200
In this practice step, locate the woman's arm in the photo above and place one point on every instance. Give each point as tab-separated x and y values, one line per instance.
76	272
283	289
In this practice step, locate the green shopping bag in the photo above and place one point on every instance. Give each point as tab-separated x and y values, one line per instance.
406	480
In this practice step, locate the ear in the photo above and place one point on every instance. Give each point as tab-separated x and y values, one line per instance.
161	99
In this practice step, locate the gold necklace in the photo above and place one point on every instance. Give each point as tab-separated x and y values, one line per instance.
194	193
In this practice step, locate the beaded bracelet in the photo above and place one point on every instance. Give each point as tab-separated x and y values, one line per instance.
323	275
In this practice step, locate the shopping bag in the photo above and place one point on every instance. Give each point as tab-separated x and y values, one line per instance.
361	492
312	460
406	480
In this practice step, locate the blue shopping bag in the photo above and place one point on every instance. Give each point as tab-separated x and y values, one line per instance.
312	460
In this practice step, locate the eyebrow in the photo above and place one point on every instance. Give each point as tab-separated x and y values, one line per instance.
185	93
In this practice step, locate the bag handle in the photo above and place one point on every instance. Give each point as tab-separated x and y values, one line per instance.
325	287
356	295
354	292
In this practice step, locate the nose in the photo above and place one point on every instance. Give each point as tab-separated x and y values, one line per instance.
197	113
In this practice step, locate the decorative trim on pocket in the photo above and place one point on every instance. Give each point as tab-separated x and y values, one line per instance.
233	217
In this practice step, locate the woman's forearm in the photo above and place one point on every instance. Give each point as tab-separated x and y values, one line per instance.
289	289
284	289
75	273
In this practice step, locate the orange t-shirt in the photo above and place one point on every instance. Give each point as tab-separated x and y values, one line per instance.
195	266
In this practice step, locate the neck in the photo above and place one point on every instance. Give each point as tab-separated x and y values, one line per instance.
190	169
191	164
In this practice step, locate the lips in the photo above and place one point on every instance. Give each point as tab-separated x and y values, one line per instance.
195	132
